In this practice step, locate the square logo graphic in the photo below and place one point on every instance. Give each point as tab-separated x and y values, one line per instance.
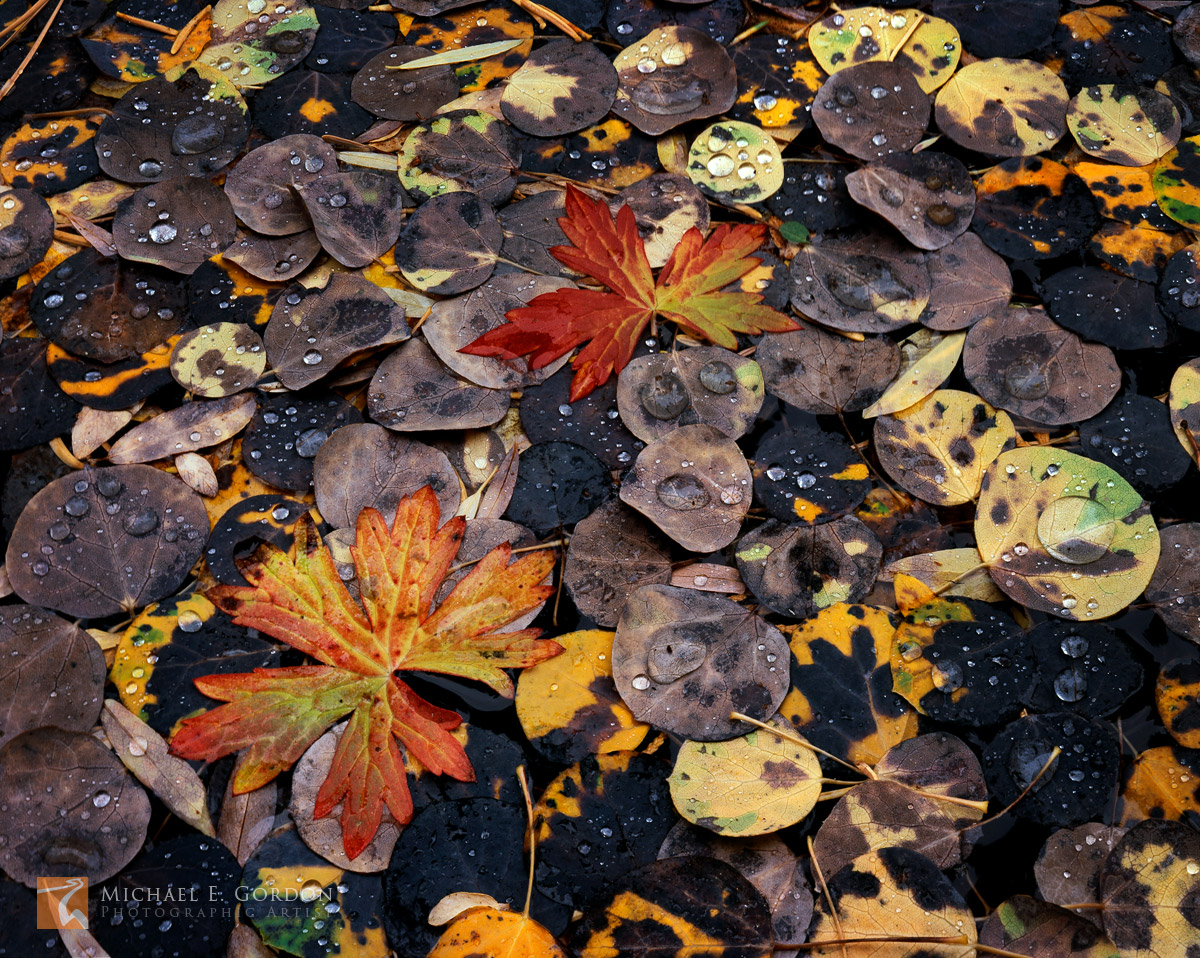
62	903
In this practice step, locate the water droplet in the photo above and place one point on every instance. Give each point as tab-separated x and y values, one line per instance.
190	621
664	397
140	523
163	233
682	492
646	65
720	164
640	682
312	357
76	506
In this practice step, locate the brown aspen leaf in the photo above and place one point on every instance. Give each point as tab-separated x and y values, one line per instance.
73	807
245	822
145	753
945	654
1023	362
937	764
569	707
1125	126
396	94
808	473
766	862
363	465
700	505
198	473
1080	542
882	814
26	229
72	551
454	323
199	125
450	244
798	570
867	124
613	552
413	391
430	163
251	58
1148	886
262	187
218	360
888	892
562	87
927	359
670	76
94	427
707	384
928	47
107	309
35	408
324	835
1068	867
1164	784
513	934
1003	107
841	695
927	196
683	660
281	443
967	281
755	784
1173	589
939	448
777	81
311	331
687	899
273	258
1027	926
177	223
531	228
198	424
735	162
665	205
618	805
1177	696
357	214
864	283
54	673
1033	208
824	373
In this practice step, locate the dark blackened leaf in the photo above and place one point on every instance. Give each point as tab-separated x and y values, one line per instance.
684	660
1174	590
173	642
450	244
613	552
413	391
487	22
396	94
63	71
531	227
612	153
558	484
177	223
311	331
852	117
798	570
244	526
1021	361
1076	787
808	474
1134	437
778	79
629	20
92	543
72	807
222	289
617	805
111	386
50	156
1178	292
197	126
1033	208
1000	29
311	103
1084	667
593	422
260	187
961	660
815	195
347	39
1139	252
357	214
460	150
133	53
1111	43
287	431
34	409
928	196
54	673
1105	306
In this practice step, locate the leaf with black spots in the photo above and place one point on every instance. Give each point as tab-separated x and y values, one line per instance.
1163	784
1129	127
252	58
808	473
243	527
1030	207
1177	696
561	88
218	360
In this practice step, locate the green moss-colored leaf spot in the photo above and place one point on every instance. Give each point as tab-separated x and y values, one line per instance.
1176	183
